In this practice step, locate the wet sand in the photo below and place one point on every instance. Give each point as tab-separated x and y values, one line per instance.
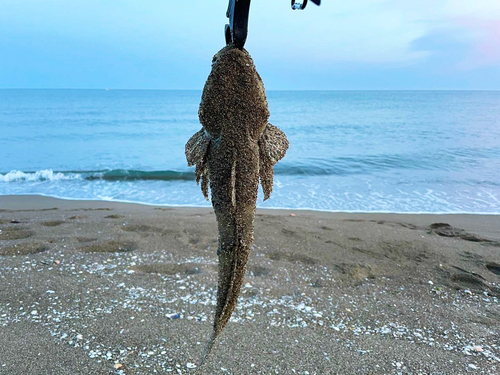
89	287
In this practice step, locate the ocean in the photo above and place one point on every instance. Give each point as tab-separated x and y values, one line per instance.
351	151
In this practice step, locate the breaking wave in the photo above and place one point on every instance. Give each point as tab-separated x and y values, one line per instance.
105	175
43	175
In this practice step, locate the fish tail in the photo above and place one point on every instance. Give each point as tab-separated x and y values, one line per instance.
208	349
235	209
236	236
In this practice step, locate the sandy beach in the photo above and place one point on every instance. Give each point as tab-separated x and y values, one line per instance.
92	287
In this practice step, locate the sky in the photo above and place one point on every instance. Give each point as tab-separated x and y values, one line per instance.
166	44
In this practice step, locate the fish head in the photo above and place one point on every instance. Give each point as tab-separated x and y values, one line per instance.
234	99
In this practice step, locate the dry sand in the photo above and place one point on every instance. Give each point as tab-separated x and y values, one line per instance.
87	286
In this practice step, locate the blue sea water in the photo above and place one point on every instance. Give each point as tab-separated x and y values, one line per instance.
367	151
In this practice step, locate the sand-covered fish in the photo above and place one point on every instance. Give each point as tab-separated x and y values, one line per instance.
235	148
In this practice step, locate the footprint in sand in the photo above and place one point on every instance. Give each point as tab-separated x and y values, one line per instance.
170	269
110	247
24	249
494	267
15	233
467	281
471	280
446	230
293	258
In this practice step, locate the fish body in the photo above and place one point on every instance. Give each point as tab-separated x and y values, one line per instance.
235	149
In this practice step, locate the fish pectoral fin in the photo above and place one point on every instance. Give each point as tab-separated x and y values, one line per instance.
273	145
196	154
197	147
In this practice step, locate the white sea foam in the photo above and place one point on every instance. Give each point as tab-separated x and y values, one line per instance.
43	175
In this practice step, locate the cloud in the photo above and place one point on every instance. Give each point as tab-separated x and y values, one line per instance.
446	48
467	33
365	31
464	44
378	31
376	43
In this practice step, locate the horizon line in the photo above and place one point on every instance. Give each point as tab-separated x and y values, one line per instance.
297	90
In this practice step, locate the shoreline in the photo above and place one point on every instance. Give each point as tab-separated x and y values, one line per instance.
12	196
90	285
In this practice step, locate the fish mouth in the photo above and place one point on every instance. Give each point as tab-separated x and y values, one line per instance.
229	50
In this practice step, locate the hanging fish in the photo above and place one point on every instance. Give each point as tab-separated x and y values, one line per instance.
234	149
